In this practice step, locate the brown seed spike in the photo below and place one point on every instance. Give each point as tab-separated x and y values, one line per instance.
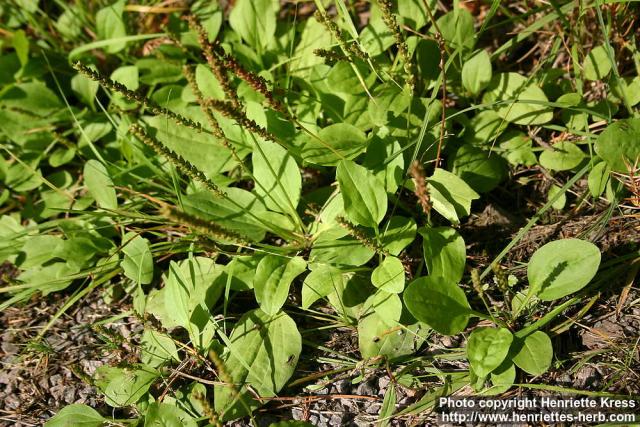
216	66
420	182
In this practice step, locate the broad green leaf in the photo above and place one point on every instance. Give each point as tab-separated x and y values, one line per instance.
39	249
444	252
375	38
128	76
85	88
482	170
562	267
22	178
34	97
618	144
575	121
450	195
476	72
571	99
517	148
487	349
502	379
138	261
427	57
278	179
521	301
534	354
391	102
562	156
254	21
177	295
398	233
343	79
241	212
378	336
208	83
273	279
596	65
414	12
321	282
389	275
194	394
61	156
50	278
384	158
167	415
200	149
158	71
20	43
529	108
456	27
626	88
484	127
263	354
192	287
94	131
438	303
9	66
124	386
242	271
350	295
99	184
76	415
155	304
313	36
12	236
157	348
336	247
364	196
79	250
334	143
69	24
598	178
53	203
110	25
387	305
561	201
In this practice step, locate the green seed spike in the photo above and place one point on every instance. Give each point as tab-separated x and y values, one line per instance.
135	96
361	237
330	56
206	227
501	277
477	283
392	23
207	409
350	49
186	167
226	109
